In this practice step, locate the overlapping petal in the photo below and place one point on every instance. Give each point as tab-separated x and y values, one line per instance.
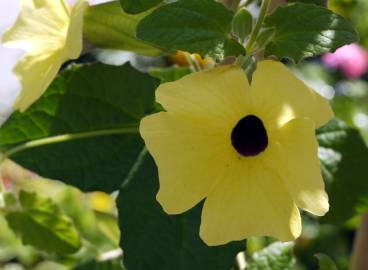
220	94
249	201
191	156
281	96
295	159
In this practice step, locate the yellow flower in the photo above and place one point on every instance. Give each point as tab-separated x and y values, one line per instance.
249	151
51	34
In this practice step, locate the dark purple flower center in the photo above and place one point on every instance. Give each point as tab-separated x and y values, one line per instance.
249	136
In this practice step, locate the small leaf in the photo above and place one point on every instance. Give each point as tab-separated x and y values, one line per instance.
306	30
242	24
138	6
344	159
169	74
84	129
277	256
196	26
42	224
325	262
167	242
107	26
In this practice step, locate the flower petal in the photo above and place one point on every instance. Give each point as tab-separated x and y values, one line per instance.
250	201
35	73
190	158
74	39
221	93
41	26
296	161
283	96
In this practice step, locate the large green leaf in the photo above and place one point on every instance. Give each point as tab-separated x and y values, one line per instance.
137	6
344	159
196	26
305	30
41	223
108	26
153	240
277	256
84	129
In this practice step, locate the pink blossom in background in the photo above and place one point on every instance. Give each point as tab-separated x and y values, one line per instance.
351	59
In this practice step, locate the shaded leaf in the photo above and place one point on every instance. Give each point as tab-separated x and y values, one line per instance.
84	129
344	159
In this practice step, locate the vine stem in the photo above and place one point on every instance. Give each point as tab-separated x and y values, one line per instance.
67	137
359	258
257	28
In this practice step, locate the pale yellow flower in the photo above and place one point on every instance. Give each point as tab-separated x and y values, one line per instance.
50	33
249	151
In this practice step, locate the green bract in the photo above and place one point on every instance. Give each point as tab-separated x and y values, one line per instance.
107	26
137	6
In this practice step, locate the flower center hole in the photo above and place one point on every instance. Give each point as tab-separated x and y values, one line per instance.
249	136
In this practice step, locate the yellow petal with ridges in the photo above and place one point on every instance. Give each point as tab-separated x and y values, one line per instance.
41	26
282	96
249	201
51	34
35	73
296	160
189	158
74	40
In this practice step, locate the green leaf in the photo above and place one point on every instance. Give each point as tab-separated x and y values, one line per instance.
42	224
344	159
107	26
196	26
242	24
138	6
84	129
153	240
169	74
277	256
306	30
325	262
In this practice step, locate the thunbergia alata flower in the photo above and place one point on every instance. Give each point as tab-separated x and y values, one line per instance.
248	151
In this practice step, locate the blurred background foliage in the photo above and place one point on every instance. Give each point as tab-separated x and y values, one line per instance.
341	77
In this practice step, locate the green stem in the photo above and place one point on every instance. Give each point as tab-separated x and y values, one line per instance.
257	28
68	137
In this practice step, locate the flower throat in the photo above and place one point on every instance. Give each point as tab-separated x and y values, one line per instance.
249	136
